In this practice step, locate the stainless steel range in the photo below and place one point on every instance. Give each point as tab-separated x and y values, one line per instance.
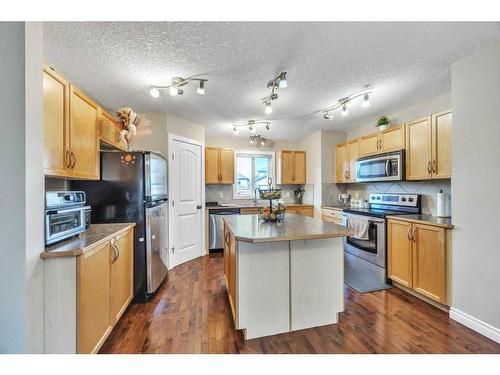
366	258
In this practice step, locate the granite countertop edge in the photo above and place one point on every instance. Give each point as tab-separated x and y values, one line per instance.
342	231
86	241
443	222
255	206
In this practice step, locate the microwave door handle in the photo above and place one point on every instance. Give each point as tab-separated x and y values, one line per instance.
387	169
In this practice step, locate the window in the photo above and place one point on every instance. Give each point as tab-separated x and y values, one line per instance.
252	171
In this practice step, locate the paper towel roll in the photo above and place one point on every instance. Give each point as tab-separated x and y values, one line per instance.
442	204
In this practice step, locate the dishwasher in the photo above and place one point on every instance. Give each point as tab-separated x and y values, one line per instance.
216	228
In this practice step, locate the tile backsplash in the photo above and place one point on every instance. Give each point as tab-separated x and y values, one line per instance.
213	194
428	190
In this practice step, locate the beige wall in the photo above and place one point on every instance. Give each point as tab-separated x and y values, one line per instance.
476	182
161	124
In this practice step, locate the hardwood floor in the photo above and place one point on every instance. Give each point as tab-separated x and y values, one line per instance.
191	314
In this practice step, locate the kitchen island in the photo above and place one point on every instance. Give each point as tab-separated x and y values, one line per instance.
283	277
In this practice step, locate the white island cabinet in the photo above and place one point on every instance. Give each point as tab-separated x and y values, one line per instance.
283	277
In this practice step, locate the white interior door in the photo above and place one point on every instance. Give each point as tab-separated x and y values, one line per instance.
186	202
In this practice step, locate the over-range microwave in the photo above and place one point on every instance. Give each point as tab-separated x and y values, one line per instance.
382	167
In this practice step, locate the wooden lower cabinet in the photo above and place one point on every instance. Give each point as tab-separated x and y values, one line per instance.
331	214
417	258
306	211
122	274
93	298
230	269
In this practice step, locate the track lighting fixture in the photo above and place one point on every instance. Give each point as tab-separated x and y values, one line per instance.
176	88
344	102
253	139
280	82
251	125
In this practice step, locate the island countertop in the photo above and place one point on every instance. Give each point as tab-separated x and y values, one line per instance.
249	228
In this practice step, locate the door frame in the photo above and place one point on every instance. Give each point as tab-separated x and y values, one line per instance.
171	138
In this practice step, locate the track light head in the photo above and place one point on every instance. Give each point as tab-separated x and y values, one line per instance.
201	88
267	127
269	108
366	101
327	116
345	111
282	82
174	90
155	93
236	130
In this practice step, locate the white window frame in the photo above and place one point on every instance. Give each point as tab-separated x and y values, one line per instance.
272	169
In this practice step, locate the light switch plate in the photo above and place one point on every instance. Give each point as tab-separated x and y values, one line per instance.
287	194
221	195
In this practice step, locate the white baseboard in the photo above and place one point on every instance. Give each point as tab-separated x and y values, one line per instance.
475	324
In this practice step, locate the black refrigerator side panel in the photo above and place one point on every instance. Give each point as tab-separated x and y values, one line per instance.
119	198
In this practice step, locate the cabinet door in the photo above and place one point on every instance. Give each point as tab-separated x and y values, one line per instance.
306	211
441	145
399	252
419	149
93	298
55	124
370	144
109	131
299	162
287	168
429	261
212	163
393	139
227	166
353	151
233	282
340	163
84	140
226	256
122	274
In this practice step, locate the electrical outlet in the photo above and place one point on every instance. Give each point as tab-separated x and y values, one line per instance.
221	195
287	194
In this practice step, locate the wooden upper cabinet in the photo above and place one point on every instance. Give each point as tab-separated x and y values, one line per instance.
441	144
55	123
291	167
419	149
353	150
399	252
219	165
370	144
109	130
429	261
392	139
428	147
341	161
226	166
93	298
122	274
212	157
388	140
299	159
84	140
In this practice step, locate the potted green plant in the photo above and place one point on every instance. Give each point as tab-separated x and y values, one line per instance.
383	123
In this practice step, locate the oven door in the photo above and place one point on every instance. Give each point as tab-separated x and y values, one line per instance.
371	250
384	167
61	224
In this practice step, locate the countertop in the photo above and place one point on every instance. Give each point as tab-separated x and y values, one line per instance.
444	222
96	235
336	206
248	228
255	206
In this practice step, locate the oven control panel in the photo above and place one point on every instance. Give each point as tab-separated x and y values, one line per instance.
408	200
58	199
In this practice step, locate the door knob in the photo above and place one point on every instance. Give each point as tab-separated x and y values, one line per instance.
199	207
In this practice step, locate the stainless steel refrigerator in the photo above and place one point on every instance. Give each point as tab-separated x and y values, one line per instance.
133	188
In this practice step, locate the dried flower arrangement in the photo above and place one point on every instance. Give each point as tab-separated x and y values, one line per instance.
129	120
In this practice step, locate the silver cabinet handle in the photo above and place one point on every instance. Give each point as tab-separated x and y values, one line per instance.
429	168
434	168
413	237
408	235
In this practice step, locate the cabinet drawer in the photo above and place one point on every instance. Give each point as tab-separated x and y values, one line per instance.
328	212
249	211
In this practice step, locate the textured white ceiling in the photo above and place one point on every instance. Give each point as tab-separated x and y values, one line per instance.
405	62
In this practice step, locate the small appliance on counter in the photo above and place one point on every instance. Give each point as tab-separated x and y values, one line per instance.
344	199
299	194
65	215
